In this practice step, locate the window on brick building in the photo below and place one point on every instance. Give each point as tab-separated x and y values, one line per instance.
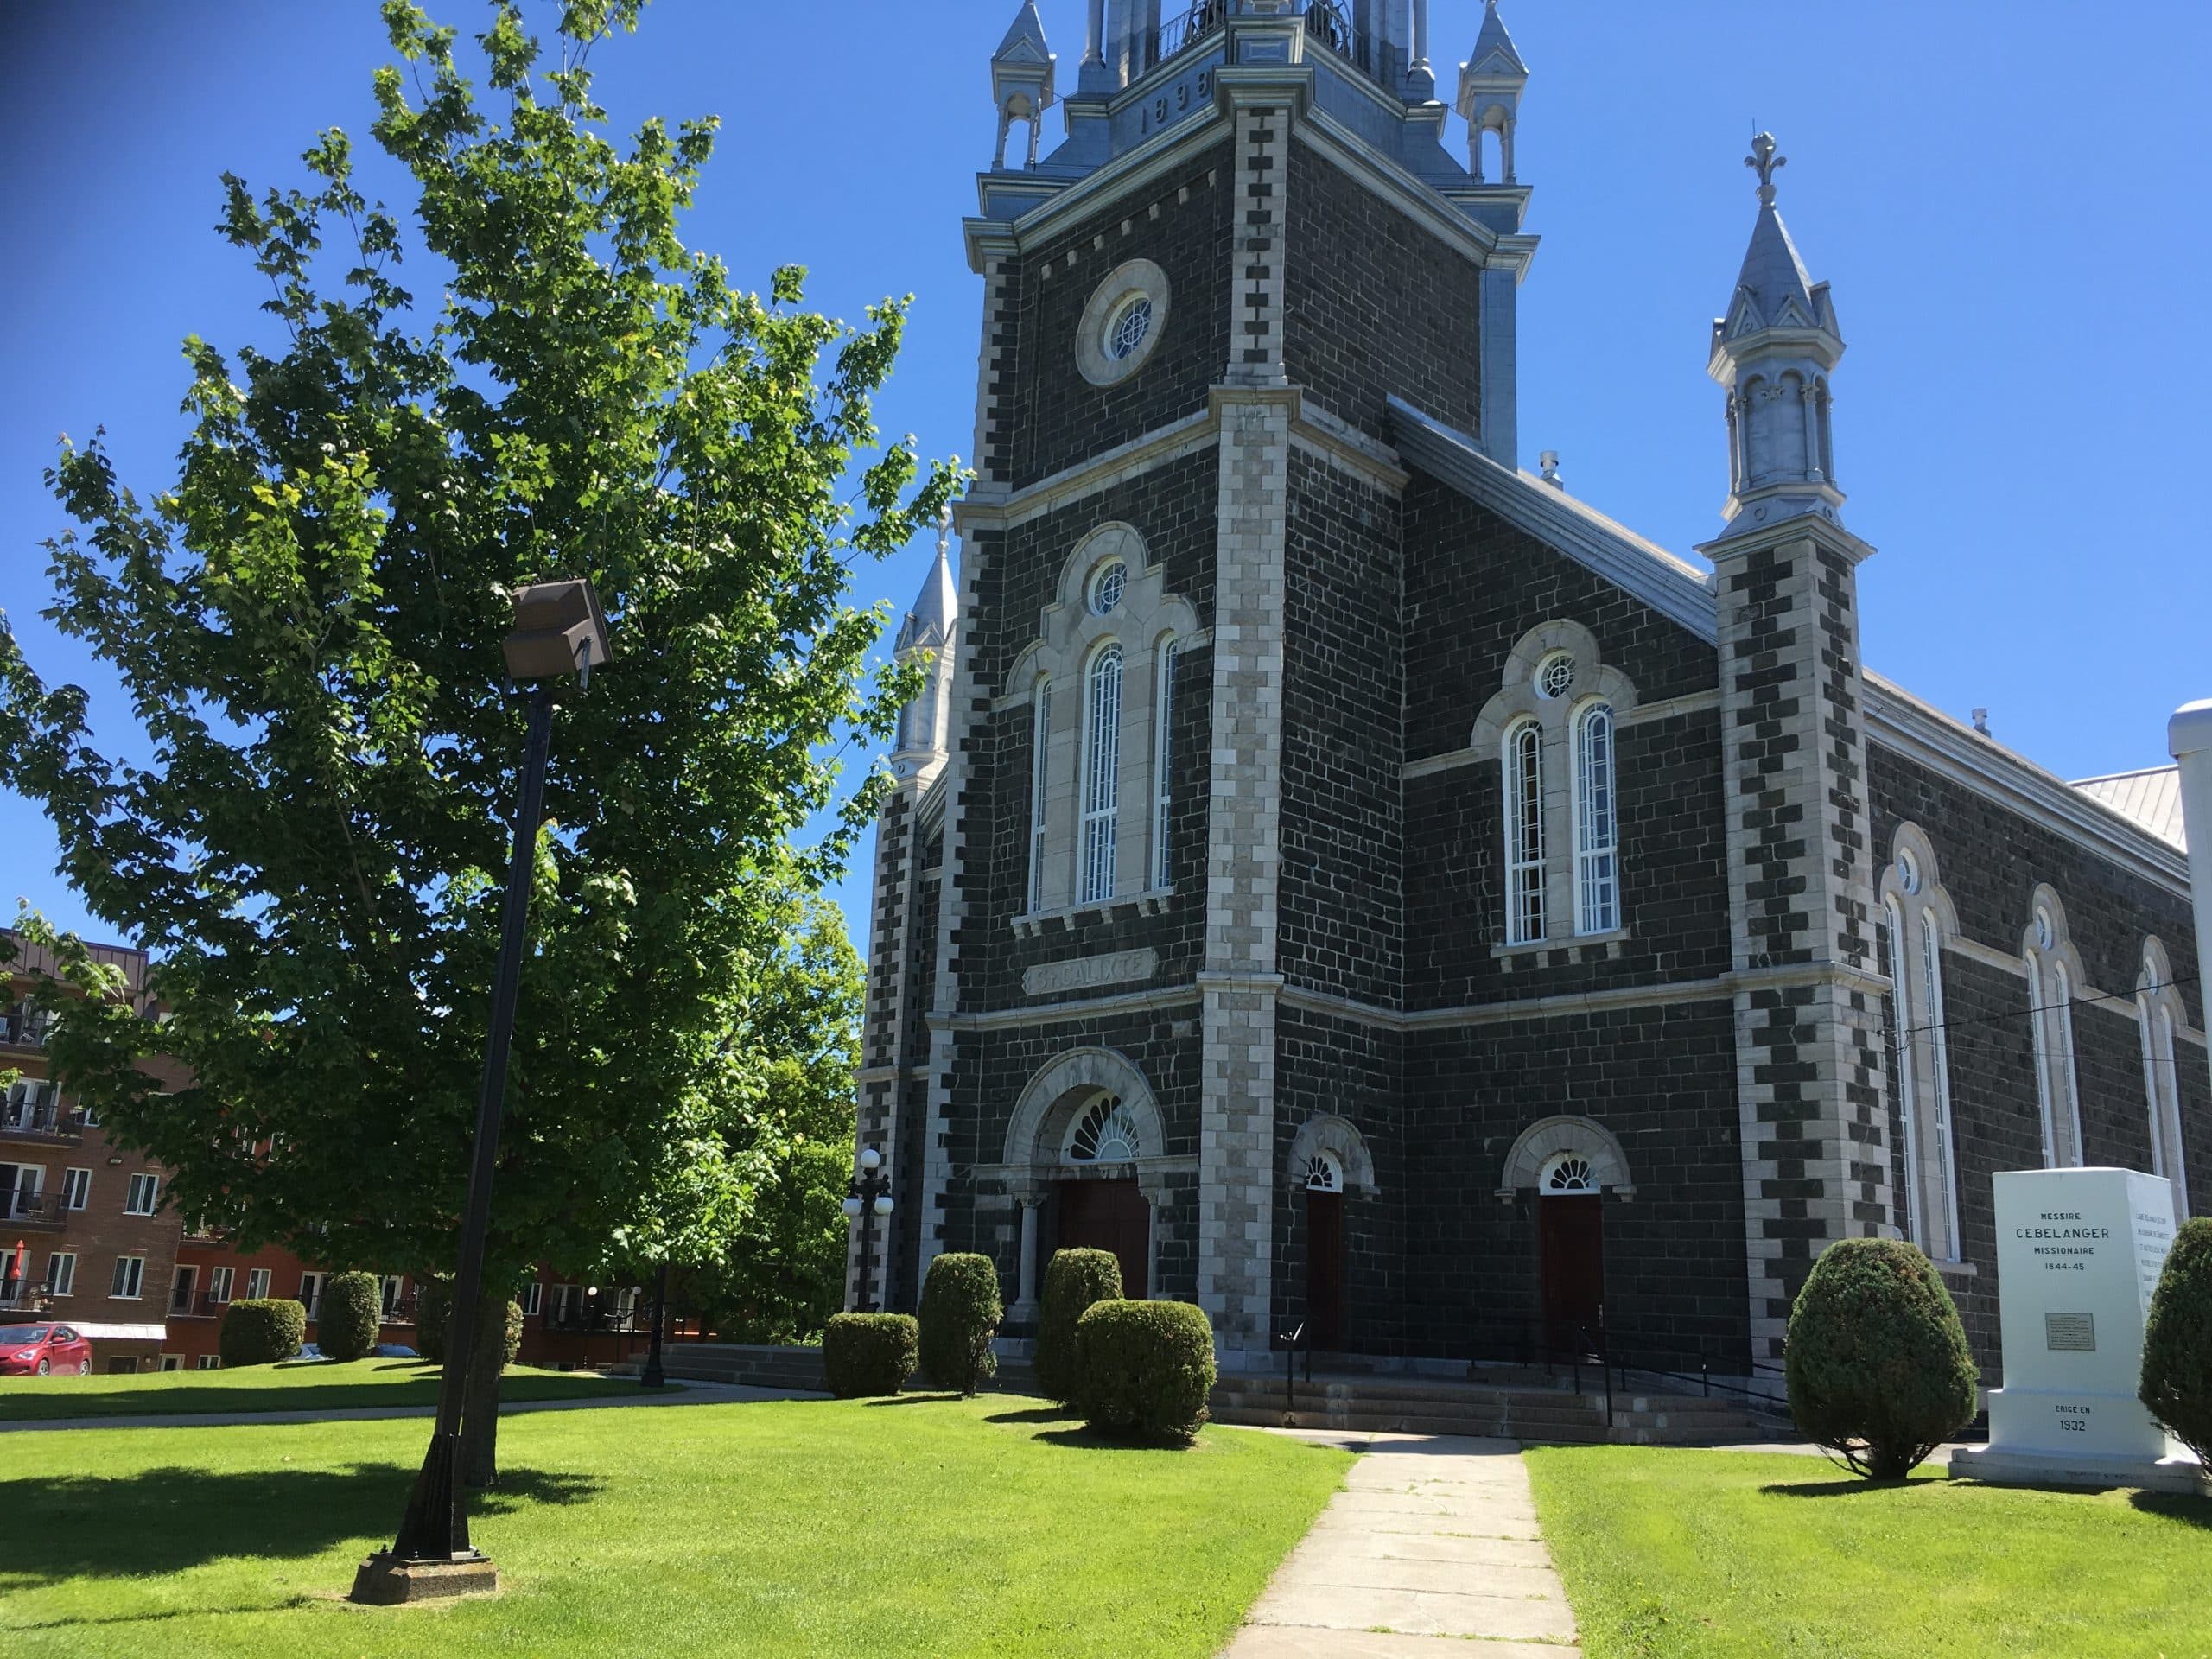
1524	834
393	1286
210	1363
2054	971
144	1196
1917	918
129	1278
61	1274
218	1284
1163	740
257	1284
76	1188
2160	1012
1597	824
532	1299
1040	778
310	1297
1101	774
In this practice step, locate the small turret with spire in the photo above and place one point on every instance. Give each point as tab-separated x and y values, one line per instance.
1022	71
926	638
1773	355
1492	81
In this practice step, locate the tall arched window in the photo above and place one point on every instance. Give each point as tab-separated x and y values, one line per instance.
2159	1006
1917	915
1040	773
1163	740
2053	971
1597	824
1524	834
1101	772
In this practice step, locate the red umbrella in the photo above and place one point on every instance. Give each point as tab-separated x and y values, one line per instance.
15	1267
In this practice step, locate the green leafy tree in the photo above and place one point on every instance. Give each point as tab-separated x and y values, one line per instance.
784	1274
308	625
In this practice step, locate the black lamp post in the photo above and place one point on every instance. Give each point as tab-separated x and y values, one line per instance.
868	1194
653	1376
559	631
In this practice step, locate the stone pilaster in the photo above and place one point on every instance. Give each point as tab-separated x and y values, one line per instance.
882	1027
1809	1033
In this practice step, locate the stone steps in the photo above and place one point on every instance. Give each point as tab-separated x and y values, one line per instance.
1382	1404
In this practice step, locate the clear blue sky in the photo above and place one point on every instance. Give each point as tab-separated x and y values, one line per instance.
2008	199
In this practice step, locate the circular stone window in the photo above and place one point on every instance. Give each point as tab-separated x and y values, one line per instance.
1123	323
1555	675
1107	583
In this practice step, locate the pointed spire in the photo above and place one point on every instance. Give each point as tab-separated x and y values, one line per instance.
1024	38
1774	276
1022	81
929	624
1495	52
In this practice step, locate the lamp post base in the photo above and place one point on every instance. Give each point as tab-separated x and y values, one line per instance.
389	1580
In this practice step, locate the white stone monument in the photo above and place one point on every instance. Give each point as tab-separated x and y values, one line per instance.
2079	1252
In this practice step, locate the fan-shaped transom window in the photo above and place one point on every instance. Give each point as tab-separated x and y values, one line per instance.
1106	1132
1568	1172
1323	1174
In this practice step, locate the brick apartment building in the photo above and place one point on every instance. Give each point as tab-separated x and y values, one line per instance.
87	1233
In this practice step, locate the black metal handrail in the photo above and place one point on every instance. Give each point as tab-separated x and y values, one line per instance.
30	1207
45	1120
1326	21
1583	1347
1292	1342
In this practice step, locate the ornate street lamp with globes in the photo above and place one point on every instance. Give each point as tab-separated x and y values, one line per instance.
869	1194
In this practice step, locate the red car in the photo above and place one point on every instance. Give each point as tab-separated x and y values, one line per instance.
36	1349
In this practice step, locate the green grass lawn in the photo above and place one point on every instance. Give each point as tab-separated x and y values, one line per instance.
301	1386
925	1526
1723	1554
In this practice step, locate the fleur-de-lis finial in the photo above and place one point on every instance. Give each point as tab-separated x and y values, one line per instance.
1764	160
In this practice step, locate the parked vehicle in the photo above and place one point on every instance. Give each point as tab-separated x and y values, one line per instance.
38	1350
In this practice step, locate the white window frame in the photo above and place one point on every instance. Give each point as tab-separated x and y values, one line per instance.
209	1362
76	1189
172	1362
148	1184
532	1299
312	1286
1917	915
1597	821
1102	676
1041	782
1163	761
220	1283
1934	1007
60	1272
257	1284
2162	1014
135	1277
1527	871
389	1292
2048	952
183	1275
1906	1092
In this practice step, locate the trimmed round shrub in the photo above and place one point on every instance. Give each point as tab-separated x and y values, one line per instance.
352	1315
2176	1383
433	1313
960	1315
262	1330
1146	1368
1879	1368
1074	1279
866	1354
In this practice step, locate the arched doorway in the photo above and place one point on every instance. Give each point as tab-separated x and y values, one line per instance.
1571	1252
1101	1207
1325	1250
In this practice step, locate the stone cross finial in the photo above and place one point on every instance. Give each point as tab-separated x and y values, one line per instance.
1764	161
944	527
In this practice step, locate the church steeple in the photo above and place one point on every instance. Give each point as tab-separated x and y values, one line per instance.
1021	80
1772	354
1492	81
926	638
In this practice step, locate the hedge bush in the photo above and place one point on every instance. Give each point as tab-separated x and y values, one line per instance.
433	1313
2177	1383
1074	1279
353	1314
960	1315
1878	1364
1145	1368
865	1354
262	1330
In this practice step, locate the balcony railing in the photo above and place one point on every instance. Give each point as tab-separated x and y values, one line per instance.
47	1121
1328	22
24	1027
20	1209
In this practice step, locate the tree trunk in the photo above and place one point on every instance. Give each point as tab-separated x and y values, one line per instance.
479	1409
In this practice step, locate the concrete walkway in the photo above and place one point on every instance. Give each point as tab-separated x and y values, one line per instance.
1432	1551
689	1393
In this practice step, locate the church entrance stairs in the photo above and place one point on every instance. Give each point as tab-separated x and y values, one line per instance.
1512	1407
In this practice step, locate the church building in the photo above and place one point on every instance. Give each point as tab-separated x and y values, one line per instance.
1371	890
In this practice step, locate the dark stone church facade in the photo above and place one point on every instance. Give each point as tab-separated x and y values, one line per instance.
1365	886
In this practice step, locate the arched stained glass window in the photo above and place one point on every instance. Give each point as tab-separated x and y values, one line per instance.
1039	775
1596	825
1524	834
1163	743
1105	1134
1101	772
